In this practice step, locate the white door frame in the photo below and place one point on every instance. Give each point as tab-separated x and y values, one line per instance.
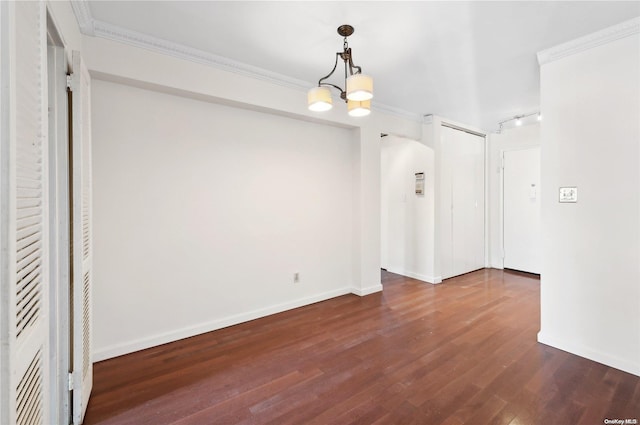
59	223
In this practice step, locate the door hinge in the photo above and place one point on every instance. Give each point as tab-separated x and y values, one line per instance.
69	82
70	381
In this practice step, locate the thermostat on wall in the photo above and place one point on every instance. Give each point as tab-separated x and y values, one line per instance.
568	194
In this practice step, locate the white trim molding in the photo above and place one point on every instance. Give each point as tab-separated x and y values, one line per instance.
361	292
186	332
391	110
589	353
83	16
180	51
607	35
421	277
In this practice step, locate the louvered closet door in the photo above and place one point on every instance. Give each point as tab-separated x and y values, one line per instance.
25	325
82	366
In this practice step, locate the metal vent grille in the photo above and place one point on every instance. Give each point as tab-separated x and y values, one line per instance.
29	395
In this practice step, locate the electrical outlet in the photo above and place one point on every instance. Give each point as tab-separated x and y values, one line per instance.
296	277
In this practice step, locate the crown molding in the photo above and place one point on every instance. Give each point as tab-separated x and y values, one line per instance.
391	110
83	16
158	45
607	35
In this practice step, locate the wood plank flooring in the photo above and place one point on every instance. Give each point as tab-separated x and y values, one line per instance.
463	352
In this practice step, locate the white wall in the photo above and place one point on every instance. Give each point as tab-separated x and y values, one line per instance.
366	211
407	218
203	212
513	138
591	249
127	65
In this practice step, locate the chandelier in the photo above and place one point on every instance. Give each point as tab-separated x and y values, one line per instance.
359	87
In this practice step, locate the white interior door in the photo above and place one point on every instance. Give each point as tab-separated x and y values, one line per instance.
24	253
81	278
521	209
462	202
468	204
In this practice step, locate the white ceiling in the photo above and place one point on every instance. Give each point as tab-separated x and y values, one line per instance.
473	62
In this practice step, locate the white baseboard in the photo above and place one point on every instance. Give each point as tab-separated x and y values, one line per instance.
418	276
175	335
591	354
435	279
368	290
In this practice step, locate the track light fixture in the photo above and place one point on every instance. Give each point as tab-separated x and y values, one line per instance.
518	120
359	87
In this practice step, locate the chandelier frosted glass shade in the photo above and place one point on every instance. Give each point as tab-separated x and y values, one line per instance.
359	87
358	108
319	99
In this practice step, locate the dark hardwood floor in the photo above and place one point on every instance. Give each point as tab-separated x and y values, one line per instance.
463	352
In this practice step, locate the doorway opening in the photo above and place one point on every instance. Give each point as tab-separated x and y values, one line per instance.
407	213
